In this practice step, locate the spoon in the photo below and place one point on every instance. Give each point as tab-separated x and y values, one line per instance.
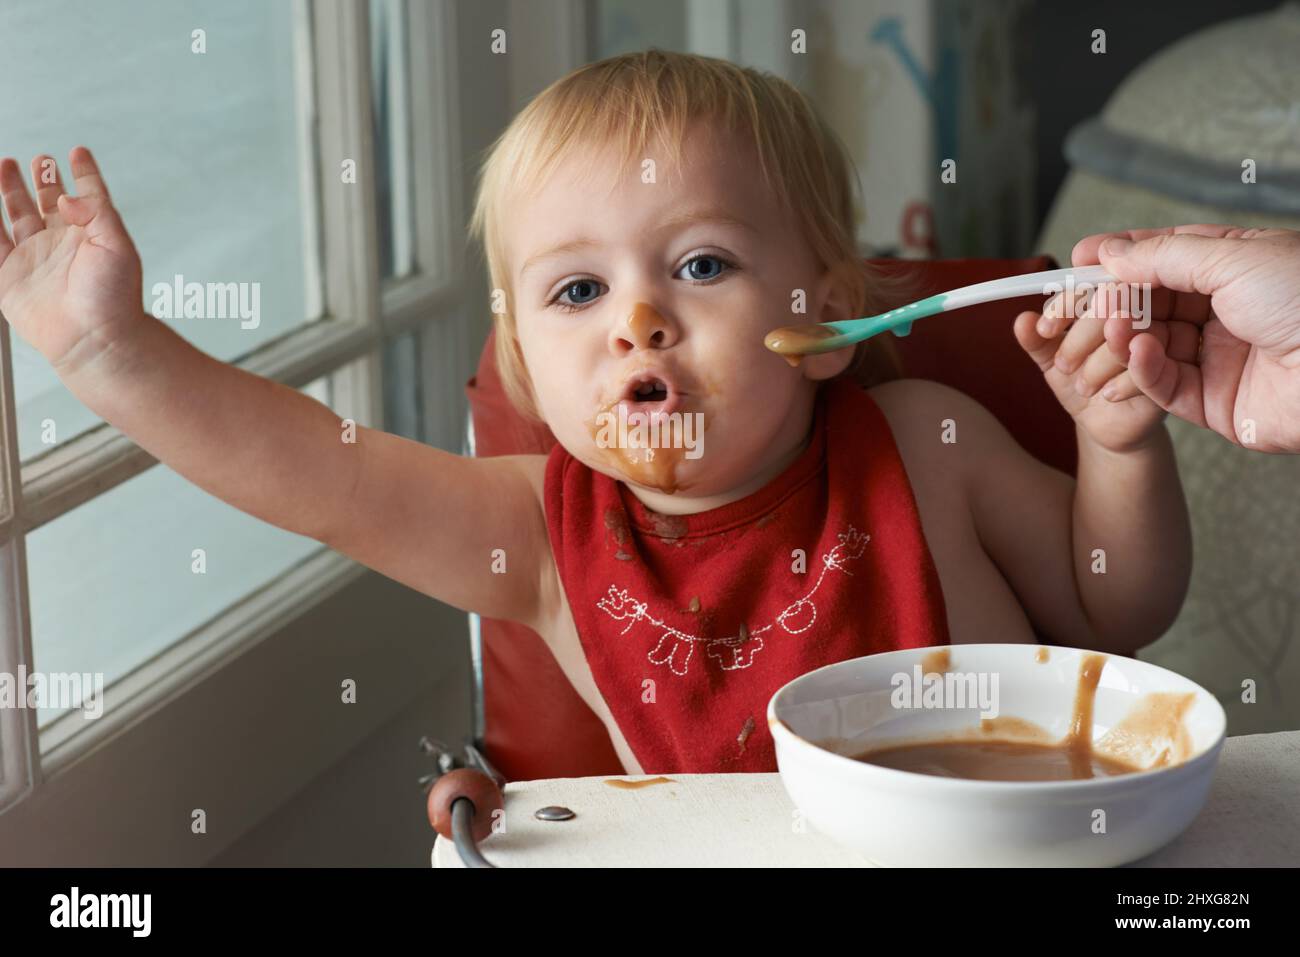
794	342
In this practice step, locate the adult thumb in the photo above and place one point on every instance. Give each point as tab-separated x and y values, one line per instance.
1181	261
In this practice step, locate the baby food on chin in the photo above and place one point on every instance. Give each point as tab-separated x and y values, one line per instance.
619	431
645	428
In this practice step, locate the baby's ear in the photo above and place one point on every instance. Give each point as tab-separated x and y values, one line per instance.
831	303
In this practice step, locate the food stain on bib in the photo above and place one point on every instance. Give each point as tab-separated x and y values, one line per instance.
746	730
669	528
616	524
634	785
1006	748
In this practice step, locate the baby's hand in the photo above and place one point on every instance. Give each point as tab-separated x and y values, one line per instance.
70	280
1089	381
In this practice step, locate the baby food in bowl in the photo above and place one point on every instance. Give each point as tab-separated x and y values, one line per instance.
1002	755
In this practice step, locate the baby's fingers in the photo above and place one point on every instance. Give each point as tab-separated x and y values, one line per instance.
1060	311
49	187
1181	340
24	218
1042	350
1080	342
1097	370
85	172
1121	388
6	244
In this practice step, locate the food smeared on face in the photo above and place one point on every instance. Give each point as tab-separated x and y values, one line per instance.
641	320
644	430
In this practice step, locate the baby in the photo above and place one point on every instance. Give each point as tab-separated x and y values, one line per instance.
647	221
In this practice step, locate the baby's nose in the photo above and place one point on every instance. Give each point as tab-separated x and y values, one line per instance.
645	327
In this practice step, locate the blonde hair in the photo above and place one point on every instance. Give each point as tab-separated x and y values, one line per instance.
628	101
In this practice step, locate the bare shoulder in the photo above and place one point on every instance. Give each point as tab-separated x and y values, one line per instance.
533	468
929	420
920	411
913	401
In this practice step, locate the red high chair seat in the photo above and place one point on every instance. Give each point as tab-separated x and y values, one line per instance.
536	725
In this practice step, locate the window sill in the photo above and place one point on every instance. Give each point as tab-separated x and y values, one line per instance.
242	723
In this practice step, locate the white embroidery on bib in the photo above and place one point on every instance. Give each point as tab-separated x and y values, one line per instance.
675	648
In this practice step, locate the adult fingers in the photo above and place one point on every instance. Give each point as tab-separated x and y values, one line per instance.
1084	252
1185	262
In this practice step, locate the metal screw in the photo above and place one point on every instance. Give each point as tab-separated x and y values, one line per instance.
553	812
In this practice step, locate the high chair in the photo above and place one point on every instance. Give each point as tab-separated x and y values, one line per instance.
528	722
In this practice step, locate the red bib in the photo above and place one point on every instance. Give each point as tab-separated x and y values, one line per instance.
691	623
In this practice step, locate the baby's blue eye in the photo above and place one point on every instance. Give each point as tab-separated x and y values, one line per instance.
703	268
580	291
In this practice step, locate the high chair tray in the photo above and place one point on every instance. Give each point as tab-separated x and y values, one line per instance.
746	820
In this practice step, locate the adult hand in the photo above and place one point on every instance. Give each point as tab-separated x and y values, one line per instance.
1223	346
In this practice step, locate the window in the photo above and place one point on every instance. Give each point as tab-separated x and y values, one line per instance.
205	153
117	580
390	104
306	151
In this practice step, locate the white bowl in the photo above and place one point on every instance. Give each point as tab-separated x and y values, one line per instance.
901	818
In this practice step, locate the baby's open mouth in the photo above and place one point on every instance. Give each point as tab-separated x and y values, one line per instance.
648	390
651	392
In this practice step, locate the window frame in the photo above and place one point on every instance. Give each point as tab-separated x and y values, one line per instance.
360	315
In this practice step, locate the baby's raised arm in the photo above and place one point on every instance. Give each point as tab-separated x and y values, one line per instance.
70	284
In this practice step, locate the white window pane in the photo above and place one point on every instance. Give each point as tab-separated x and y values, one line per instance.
403	392
206	154
390	103
114	581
